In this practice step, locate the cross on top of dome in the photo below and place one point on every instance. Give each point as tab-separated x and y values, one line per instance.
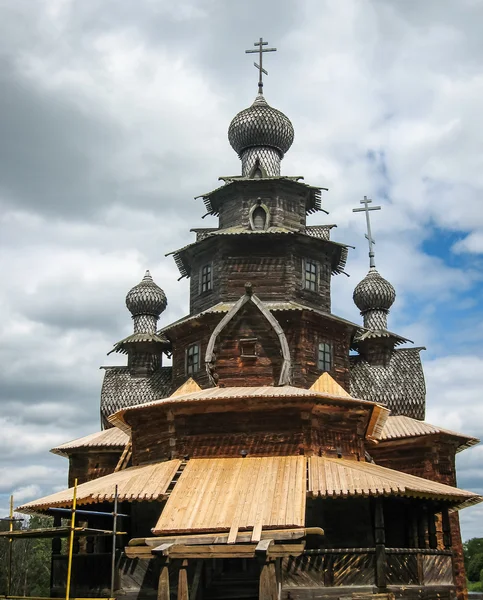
260	68
369	238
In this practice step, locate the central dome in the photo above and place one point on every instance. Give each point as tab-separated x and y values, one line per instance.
261	125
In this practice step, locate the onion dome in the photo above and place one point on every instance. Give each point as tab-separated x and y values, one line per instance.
374	296
374	293
261	125
260	135
146	298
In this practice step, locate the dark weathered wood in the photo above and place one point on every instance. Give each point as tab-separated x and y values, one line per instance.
422	527
196	583
380	539
433	539
446	527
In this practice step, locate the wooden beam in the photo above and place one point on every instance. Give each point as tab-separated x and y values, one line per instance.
433	539
268	588
162	549
163	582
233	534
380	540
221	538
263	546
446	528
183	593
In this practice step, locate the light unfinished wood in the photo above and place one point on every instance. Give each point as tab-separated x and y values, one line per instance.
163	583
148	482
188	387
325	384
335	477
221	538
216	551
221	494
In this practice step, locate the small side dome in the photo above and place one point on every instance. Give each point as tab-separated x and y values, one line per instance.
146	298
261	125
374	293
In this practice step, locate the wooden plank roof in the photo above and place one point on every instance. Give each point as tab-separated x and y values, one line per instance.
337	477
400	427
231	494
285	392
112	438
144	483
223	494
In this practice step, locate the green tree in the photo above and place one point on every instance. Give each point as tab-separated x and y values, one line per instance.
30	560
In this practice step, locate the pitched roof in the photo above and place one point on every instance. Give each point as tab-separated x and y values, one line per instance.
182	256
140	338
401	427
112	438
120	389
399	385
144	483
212	199
219	494
336	477
224	307
225	493
328	385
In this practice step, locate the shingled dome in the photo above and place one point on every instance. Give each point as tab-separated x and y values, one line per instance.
146	298
261	125
374	293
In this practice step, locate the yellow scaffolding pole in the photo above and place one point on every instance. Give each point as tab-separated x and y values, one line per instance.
71	542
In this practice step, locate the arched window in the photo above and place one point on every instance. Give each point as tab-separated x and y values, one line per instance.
259	218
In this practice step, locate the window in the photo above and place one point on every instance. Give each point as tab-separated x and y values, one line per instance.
248	348
206	283
193	359
259	218
324	356
311	275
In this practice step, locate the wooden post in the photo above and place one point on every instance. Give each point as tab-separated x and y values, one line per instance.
183	593
163	582
380	539
422	527
268	587
446	528
433	538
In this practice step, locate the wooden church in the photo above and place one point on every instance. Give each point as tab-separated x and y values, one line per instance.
284	453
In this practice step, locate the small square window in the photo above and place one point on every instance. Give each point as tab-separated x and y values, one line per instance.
206	279
311	275
248	348
193	359
324	357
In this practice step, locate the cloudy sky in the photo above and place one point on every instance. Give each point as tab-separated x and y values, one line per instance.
113	116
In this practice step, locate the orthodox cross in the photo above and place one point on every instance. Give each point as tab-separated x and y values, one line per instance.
260	68
369	238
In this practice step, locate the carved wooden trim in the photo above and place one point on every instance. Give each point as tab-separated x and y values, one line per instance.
284	378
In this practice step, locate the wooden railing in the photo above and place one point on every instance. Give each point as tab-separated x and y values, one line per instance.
358	567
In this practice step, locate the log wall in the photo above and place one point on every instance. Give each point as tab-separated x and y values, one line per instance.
432	458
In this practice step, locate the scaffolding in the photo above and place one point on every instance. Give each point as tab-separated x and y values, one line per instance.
70	532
